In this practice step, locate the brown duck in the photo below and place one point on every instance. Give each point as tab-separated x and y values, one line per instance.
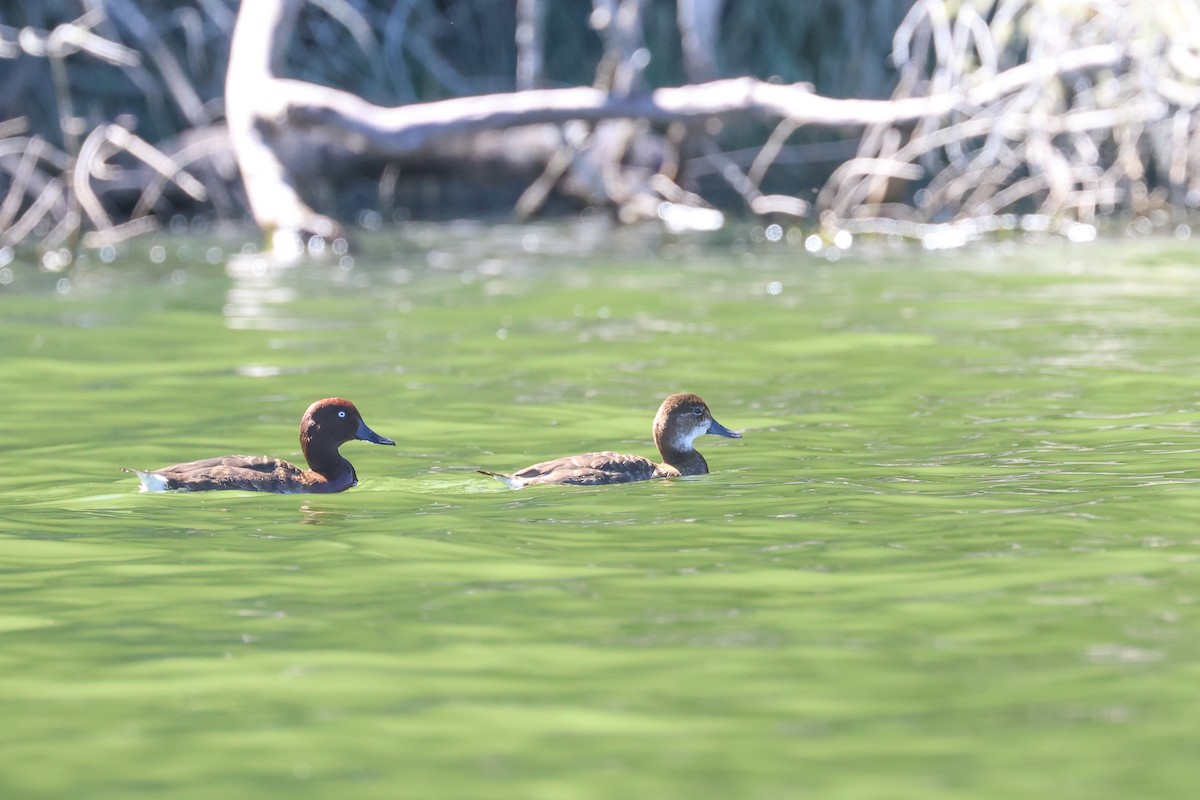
681	419
325	426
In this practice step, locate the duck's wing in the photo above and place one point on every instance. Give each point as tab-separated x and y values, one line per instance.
590	469
245	473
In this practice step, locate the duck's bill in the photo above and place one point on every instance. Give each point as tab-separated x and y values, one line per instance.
368	435
717	429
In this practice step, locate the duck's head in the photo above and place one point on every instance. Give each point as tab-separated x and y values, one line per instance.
683	418
334	421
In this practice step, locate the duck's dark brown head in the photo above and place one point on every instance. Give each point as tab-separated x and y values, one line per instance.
330	423
683	418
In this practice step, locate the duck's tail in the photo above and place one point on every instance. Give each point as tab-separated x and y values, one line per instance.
150	481
507	480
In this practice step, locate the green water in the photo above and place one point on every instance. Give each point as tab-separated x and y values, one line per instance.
955	555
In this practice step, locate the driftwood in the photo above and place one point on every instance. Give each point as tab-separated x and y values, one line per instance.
1002	108
266	113
58	206
1047	140
269	114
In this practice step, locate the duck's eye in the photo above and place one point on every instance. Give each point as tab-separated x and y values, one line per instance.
697	410
342	414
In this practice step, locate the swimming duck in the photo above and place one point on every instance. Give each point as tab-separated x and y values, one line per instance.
681	419
325	426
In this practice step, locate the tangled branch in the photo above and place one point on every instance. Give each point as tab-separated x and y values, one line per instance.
1069	111
49	195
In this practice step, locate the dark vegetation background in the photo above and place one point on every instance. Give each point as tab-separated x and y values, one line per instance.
393	53
996	115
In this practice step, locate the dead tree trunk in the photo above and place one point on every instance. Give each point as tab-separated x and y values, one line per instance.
698	20
254	110
531	34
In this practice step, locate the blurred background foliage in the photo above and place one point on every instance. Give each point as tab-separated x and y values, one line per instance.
414	50
1069	110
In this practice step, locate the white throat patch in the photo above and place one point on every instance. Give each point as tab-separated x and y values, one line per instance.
683	440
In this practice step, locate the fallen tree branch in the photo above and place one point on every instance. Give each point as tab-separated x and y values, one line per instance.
406	130
1107	122
265	110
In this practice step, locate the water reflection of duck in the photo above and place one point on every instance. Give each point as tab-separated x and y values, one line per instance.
325	426
681	419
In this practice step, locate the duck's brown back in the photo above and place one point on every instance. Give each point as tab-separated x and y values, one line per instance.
593	469
244	473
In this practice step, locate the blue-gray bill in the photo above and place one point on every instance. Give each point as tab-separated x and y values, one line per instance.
368	435
718	429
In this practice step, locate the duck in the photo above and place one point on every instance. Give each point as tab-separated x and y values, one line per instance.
325	426
681	419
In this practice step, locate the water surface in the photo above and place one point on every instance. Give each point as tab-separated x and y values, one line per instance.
954	556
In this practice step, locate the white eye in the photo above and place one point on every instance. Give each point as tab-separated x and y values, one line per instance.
341	413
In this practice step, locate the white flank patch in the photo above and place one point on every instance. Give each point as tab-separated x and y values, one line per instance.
151	482
508	480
